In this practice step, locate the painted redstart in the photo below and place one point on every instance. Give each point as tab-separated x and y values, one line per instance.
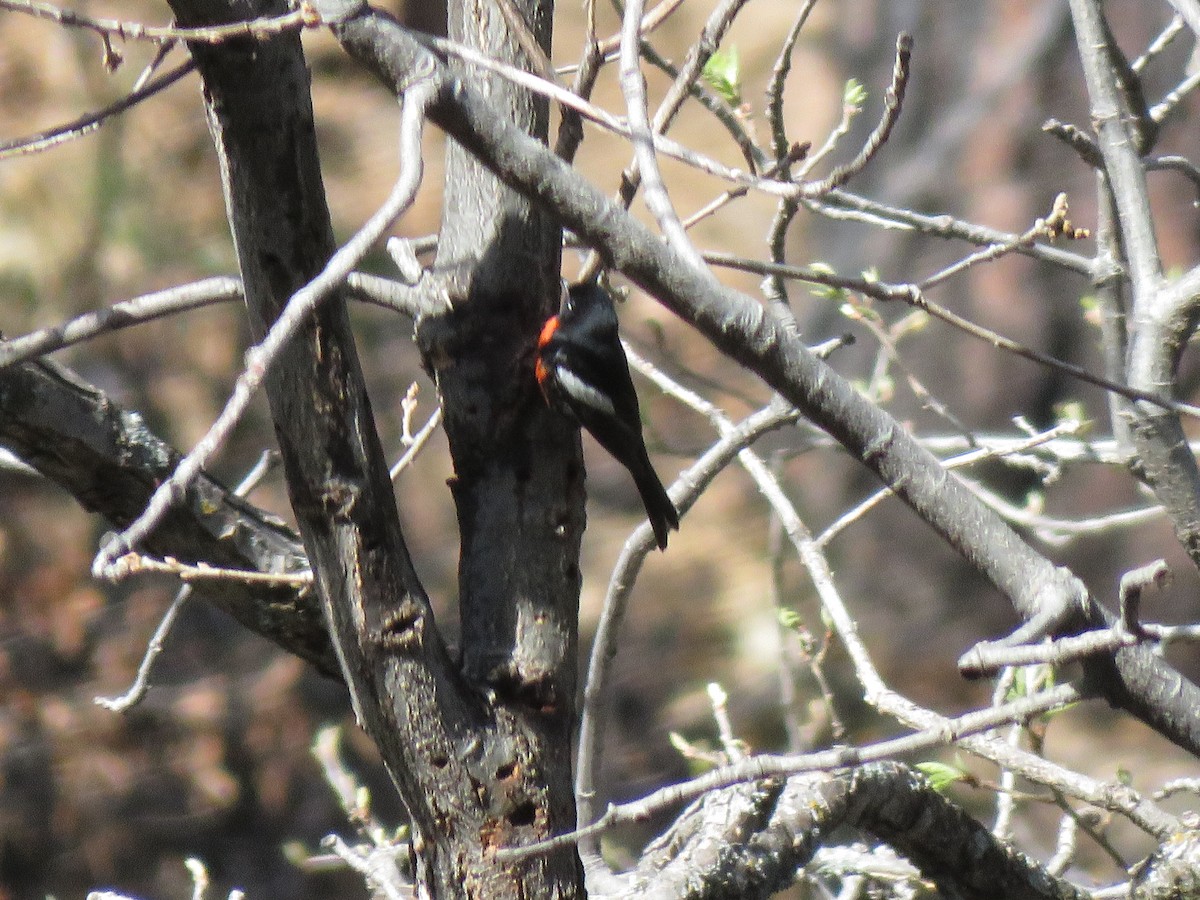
582	371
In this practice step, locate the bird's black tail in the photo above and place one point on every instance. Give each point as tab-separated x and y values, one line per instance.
659	508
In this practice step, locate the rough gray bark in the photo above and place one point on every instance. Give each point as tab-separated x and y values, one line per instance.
749	840
110	462
518	480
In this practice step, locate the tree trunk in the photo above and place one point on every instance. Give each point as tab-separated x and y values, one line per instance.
481	755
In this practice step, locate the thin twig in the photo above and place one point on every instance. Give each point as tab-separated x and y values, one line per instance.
190	573
377	867
141	682
789	629
1077	139
767	766
734	749
1180	164
684	492
352	796
1053	226
775	288
160	55
892	104
734	120
1156	574
120	315
889	356
1122	165
1170	101
1127	631
633	87
846	204
1057	531
913	295
779	74
595	55
715	28
299	307
1005	801
1159	44
795	153
418	442
89	122
1064	846
970	458
610	47
604	119
303	17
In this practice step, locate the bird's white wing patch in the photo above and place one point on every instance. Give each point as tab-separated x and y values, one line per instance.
583	392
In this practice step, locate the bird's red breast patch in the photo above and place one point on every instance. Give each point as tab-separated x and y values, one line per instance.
548	330
540	371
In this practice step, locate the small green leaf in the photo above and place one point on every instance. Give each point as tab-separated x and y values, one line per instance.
295	852
1019	688
723	74
695	756
1034	679
854	94
825	291
1093	312
941	775
789	618
1071	411
1051	713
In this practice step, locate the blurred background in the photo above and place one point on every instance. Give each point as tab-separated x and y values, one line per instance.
215	763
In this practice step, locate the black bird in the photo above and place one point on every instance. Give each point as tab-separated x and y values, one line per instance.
582	371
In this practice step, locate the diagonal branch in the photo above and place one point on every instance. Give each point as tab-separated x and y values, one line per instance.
738	326
109	461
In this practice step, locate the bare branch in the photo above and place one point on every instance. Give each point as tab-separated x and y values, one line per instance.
737	325
303	17
633	86
1117	147
913	295
120	315
88	123
760	767
893	101
686	490
141	683
260	357
844	203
